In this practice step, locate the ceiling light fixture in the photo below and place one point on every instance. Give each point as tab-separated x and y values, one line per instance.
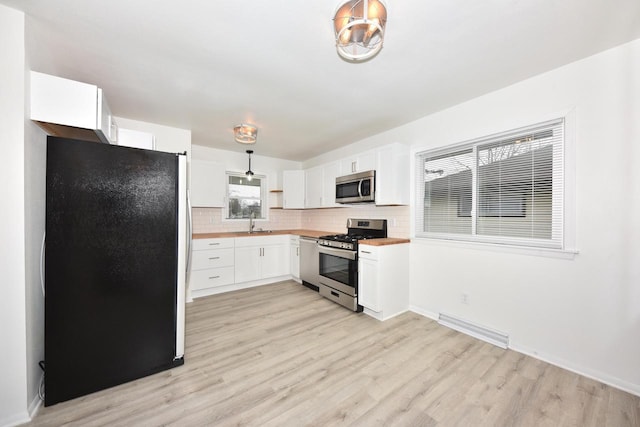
245	134
249	173
359	26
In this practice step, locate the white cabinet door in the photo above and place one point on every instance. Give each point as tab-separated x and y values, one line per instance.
208	184
293	189
275	261
368	286
362	162
248	262
313	187
393	175
294	257
331	172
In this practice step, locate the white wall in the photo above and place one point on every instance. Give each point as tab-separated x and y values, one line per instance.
35	163
13	369
581	313
239	162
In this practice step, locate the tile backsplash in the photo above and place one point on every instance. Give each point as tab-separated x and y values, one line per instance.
334	220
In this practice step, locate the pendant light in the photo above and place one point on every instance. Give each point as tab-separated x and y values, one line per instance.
249	173
359	27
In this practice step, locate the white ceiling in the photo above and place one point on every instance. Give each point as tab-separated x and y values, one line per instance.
208	65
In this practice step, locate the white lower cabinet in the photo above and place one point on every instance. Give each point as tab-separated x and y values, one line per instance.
383	279
261	257
212	263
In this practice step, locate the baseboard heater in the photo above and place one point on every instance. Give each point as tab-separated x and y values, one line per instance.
477	331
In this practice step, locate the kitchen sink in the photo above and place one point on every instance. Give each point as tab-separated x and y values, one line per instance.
260	232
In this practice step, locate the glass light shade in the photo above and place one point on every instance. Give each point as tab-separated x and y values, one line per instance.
245	134
359	27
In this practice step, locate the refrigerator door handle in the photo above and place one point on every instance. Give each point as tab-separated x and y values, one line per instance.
44	235
189	233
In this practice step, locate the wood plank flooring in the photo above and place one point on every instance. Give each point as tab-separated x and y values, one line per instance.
280	355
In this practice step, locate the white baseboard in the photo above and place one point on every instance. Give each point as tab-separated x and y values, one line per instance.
423	312
15	419
580	370
34	406
238	286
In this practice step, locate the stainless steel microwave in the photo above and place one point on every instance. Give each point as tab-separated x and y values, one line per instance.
356	188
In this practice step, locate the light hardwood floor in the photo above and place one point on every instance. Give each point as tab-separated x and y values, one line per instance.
280	355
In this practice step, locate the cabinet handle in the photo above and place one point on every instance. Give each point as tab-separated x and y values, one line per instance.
215	257
365	252
214	277
297	251
213	244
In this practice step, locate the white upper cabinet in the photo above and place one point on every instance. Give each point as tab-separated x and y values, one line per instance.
362	162
392	175
313	182
293	189
208	184
331	172
71	109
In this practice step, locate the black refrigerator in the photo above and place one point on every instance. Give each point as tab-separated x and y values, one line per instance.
115	265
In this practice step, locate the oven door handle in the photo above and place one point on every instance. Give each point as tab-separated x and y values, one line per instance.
340	253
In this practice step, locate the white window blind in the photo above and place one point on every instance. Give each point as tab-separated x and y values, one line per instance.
505	188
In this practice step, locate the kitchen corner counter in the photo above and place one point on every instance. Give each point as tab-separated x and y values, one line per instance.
303	233
384	242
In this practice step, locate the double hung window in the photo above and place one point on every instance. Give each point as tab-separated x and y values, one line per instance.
504	189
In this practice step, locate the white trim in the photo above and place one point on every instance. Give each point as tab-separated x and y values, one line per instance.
568	254
36	403
379	315
424	312
238	286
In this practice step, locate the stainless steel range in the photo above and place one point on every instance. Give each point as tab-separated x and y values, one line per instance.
338	269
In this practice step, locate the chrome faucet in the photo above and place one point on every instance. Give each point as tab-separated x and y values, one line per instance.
251	224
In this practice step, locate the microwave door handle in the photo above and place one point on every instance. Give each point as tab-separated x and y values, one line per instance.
360	188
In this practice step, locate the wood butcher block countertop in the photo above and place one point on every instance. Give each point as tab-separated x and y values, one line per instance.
384	242
303	233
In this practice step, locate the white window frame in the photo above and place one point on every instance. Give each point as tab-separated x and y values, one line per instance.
565	248
263	196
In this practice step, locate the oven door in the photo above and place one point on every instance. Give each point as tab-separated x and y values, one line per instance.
339	269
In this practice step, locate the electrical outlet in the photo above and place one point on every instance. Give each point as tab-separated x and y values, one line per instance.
464	298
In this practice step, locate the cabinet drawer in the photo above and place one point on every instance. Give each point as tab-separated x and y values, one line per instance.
368	252
202	244
210	278
213	258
